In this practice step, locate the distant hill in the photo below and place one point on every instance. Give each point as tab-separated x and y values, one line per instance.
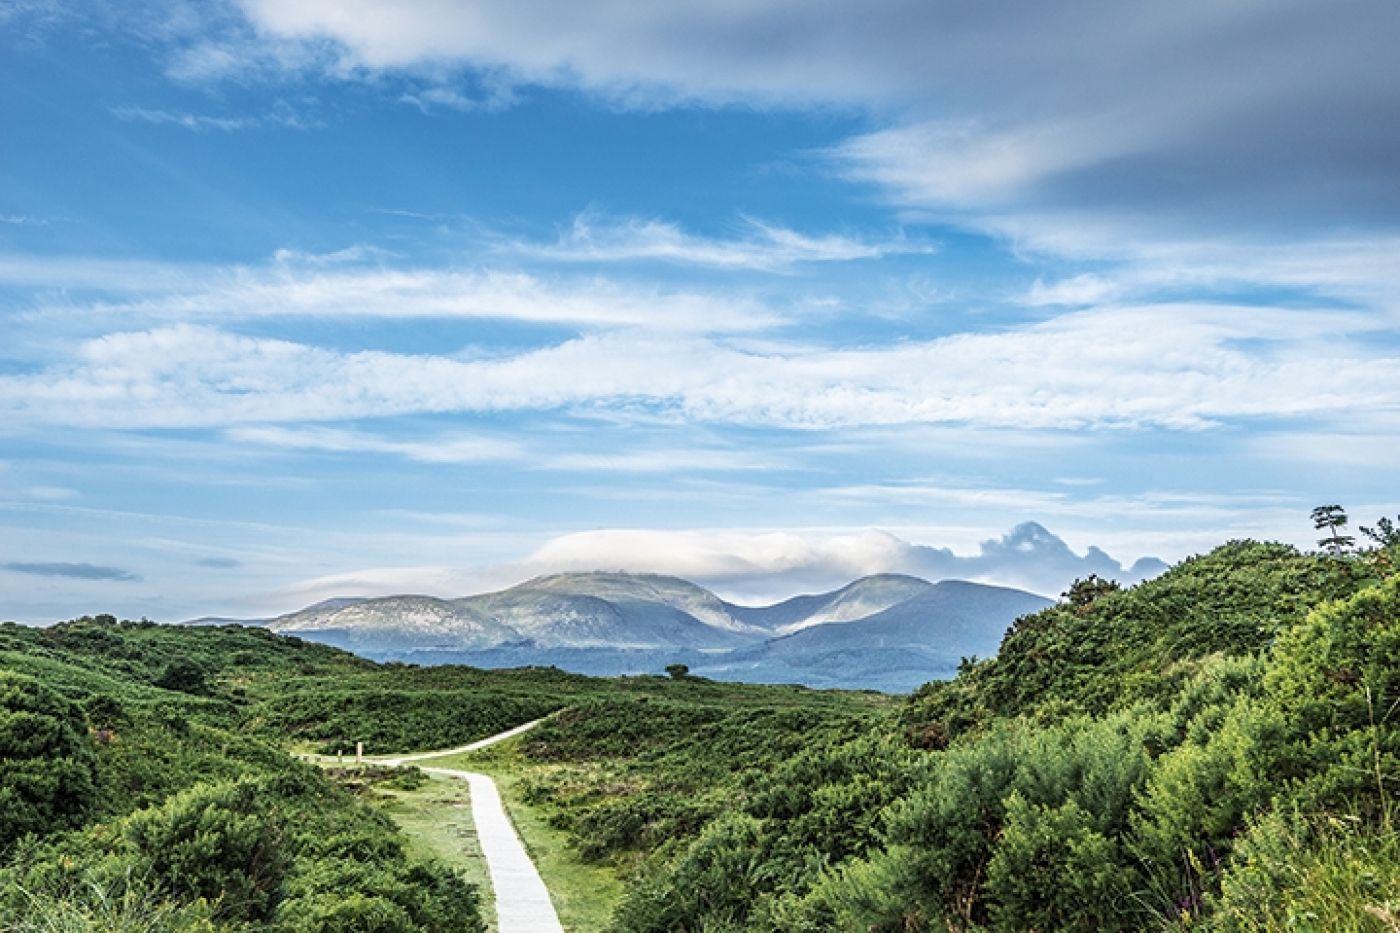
970	618
897	649
855	600
580	610
887	632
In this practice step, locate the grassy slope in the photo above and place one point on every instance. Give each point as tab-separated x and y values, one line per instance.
1143	731
1199	704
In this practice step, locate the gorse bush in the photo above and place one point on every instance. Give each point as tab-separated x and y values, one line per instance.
214	842
47	766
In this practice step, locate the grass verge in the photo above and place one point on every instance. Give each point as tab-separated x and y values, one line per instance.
585	894
437	818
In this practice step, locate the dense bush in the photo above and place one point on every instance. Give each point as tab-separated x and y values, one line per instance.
143	809
47	766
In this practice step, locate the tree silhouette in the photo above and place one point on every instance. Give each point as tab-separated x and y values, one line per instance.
1385	533
1332	519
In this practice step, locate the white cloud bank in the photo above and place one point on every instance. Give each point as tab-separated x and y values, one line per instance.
1169	366
748	567
343	285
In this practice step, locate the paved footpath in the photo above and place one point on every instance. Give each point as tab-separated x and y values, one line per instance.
522	900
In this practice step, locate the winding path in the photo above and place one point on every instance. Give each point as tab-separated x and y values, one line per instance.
469	747
522	900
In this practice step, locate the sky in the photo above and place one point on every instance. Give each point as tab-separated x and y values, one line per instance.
302	298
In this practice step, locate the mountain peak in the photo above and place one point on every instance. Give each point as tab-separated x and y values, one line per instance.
1033	537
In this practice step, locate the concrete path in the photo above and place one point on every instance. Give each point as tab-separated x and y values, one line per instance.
522	900
470	747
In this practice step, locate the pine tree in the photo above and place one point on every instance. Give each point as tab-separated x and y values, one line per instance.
1332	519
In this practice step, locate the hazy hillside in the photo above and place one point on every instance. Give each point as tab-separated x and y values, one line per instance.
919	639
568	610
952	615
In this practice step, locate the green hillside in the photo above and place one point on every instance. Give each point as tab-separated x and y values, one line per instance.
146	781
1215	749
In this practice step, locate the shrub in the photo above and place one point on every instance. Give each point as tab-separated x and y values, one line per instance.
214	841
1053	871
47	766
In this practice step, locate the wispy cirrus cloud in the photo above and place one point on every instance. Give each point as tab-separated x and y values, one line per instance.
596	239
72	571
442	449
459	448
349	283
281	115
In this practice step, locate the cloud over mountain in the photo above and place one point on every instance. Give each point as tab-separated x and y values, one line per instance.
776	564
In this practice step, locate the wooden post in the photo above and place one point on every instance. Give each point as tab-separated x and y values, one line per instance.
340	756
359	753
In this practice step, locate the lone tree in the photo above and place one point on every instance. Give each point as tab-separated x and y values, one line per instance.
1332	519
677	671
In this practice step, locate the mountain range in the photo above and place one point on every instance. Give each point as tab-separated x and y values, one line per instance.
884	632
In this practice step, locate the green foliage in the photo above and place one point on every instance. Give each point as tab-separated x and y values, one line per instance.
183	676
166	813
1102	773
387	719
712	886
1340	669
85	904
1385	533
213	842
1052	870
47	766
1141	644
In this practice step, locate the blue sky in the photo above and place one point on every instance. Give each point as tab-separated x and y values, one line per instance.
314	298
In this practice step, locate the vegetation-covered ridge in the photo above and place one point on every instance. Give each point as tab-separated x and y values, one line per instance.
127	805
146	781
1215	749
